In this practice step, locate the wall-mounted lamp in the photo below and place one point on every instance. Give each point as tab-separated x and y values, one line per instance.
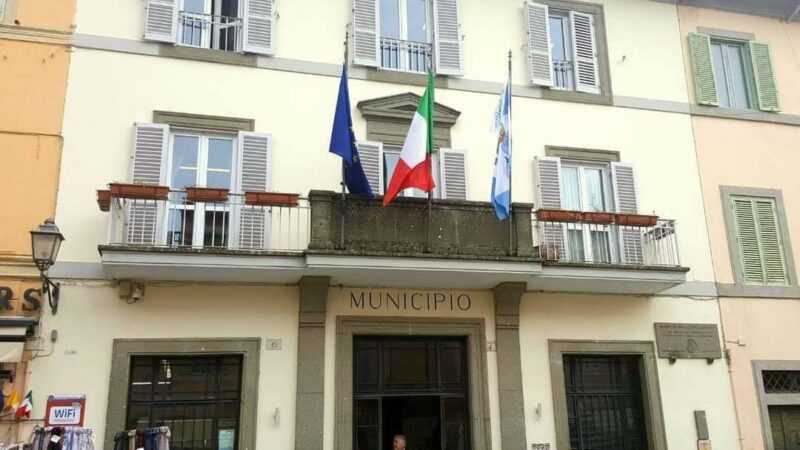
45	242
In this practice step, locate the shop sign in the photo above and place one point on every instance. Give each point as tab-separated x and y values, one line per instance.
410	301
688	340
65	410
31	299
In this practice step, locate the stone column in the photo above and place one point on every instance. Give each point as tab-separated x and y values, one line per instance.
509	366
311	363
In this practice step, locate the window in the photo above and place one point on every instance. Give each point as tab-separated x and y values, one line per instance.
561	48
404	35
759	239
203	160
778	389
197	397
604	402
391	155
732	73
587	187
214	24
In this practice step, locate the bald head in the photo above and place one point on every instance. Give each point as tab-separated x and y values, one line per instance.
399	442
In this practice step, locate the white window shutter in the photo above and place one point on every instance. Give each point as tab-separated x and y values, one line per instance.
161	20
547	175
584	51
371	154
259	26
626	200
447	31
366	33
453	174
148	166
540	58
251	230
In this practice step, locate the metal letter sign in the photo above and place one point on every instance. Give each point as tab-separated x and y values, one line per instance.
65	410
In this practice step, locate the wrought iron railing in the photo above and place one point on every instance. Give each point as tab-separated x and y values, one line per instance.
232	224
407	56
562	74
606	243
210	31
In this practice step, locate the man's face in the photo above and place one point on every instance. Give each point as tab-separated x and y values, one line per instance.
399	444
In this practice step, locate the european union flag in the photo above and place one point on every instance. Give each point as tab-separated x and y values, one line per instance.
343	143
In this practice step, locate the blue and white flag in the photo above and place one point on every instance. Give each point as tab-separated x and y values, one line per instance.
501	182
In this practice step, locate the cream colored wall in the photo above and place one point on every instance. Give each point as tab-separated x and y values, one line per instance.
91	315
339	305
783	38
686	386
659	144
762	327
738	153
314	30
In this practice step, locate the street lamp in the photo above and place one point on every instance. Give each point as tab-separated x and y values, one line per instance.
45	242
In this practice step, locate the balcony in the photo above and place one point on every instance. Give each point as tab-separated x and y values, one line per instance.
210	31
405	56
358	242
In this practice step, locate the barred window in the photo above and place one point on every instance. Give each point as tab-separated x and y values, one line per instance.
781	381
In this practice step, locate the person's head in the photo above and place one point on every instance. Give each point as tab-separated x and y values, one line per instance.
399	442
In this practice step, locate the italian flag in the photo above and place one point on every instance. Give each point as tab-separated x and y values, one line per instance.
413	170
25	408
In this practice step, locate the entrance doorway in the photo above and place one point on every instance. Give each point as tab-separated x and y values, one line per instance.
785	424
416	387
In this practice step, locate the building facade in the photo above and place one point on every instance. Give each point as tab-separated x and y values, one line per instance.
35	43
745	129
264	310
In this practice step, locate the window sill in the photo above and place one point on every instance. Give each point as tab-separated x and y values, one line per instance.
401	77
206	54
753	115
758	291
604	98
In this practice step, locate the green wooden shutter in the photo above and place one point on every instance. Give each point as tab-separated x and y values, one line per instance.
766	90
704	82
760	246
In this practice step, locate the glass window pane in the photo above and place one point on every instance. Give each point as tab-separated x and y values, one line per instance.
367	366
184	161
389	163
736	60
417	20
451	361
557	43
575	249
408	365
180	227
455	423
571	196
220	153
215	232
719	74
390	18
215	179
594	190
600	247
194	6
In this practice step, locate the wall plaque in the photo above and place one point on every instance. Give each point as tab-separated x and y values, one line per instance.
688	340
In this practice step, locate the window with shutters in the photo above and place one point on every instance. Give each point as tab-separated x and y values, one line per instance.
203	160
586	186
732	73
391	155
214	24
759	240
405	35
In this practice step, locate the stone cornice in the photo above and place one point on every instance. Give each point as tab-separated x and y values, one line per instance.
32	34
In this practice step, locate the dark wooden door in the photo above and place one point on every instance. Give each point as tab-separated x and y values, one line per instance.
785	424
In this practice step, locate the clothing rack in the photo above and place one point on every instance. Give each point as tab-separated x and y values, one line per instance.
156	438
62	438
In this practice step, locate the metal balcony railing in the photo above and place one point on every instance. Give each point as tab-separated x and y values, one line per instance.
232	224
606	243
562	74
210	31
407	56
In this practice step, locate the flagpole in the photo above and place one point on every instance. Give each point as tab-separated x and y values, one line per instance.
344	194
510	166
430	155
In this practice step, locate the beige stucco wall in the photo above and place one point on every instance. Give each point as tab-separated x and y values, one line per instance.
757	329
659	144
91	315
782	37
738	153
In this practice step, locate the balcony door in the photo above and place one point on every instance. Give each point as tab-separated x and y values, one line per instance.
405	35
586	186
203	160
210	24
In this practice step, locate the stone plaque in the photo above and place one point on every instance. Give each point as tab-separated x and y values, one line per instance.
688	340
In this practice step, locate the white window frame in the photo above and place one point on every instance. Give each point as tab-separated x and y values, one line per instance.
608	205
201	179
726	70
402	6
563	15
208	39
389	149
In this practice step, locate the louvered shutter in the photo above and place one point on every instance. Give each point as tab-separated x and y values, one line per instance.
540	58
447	31
371	154
765	77
705	84
253	222
453	173
147	167
584	50
366	33
760	247
259	26
547	176
161	20
626	201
